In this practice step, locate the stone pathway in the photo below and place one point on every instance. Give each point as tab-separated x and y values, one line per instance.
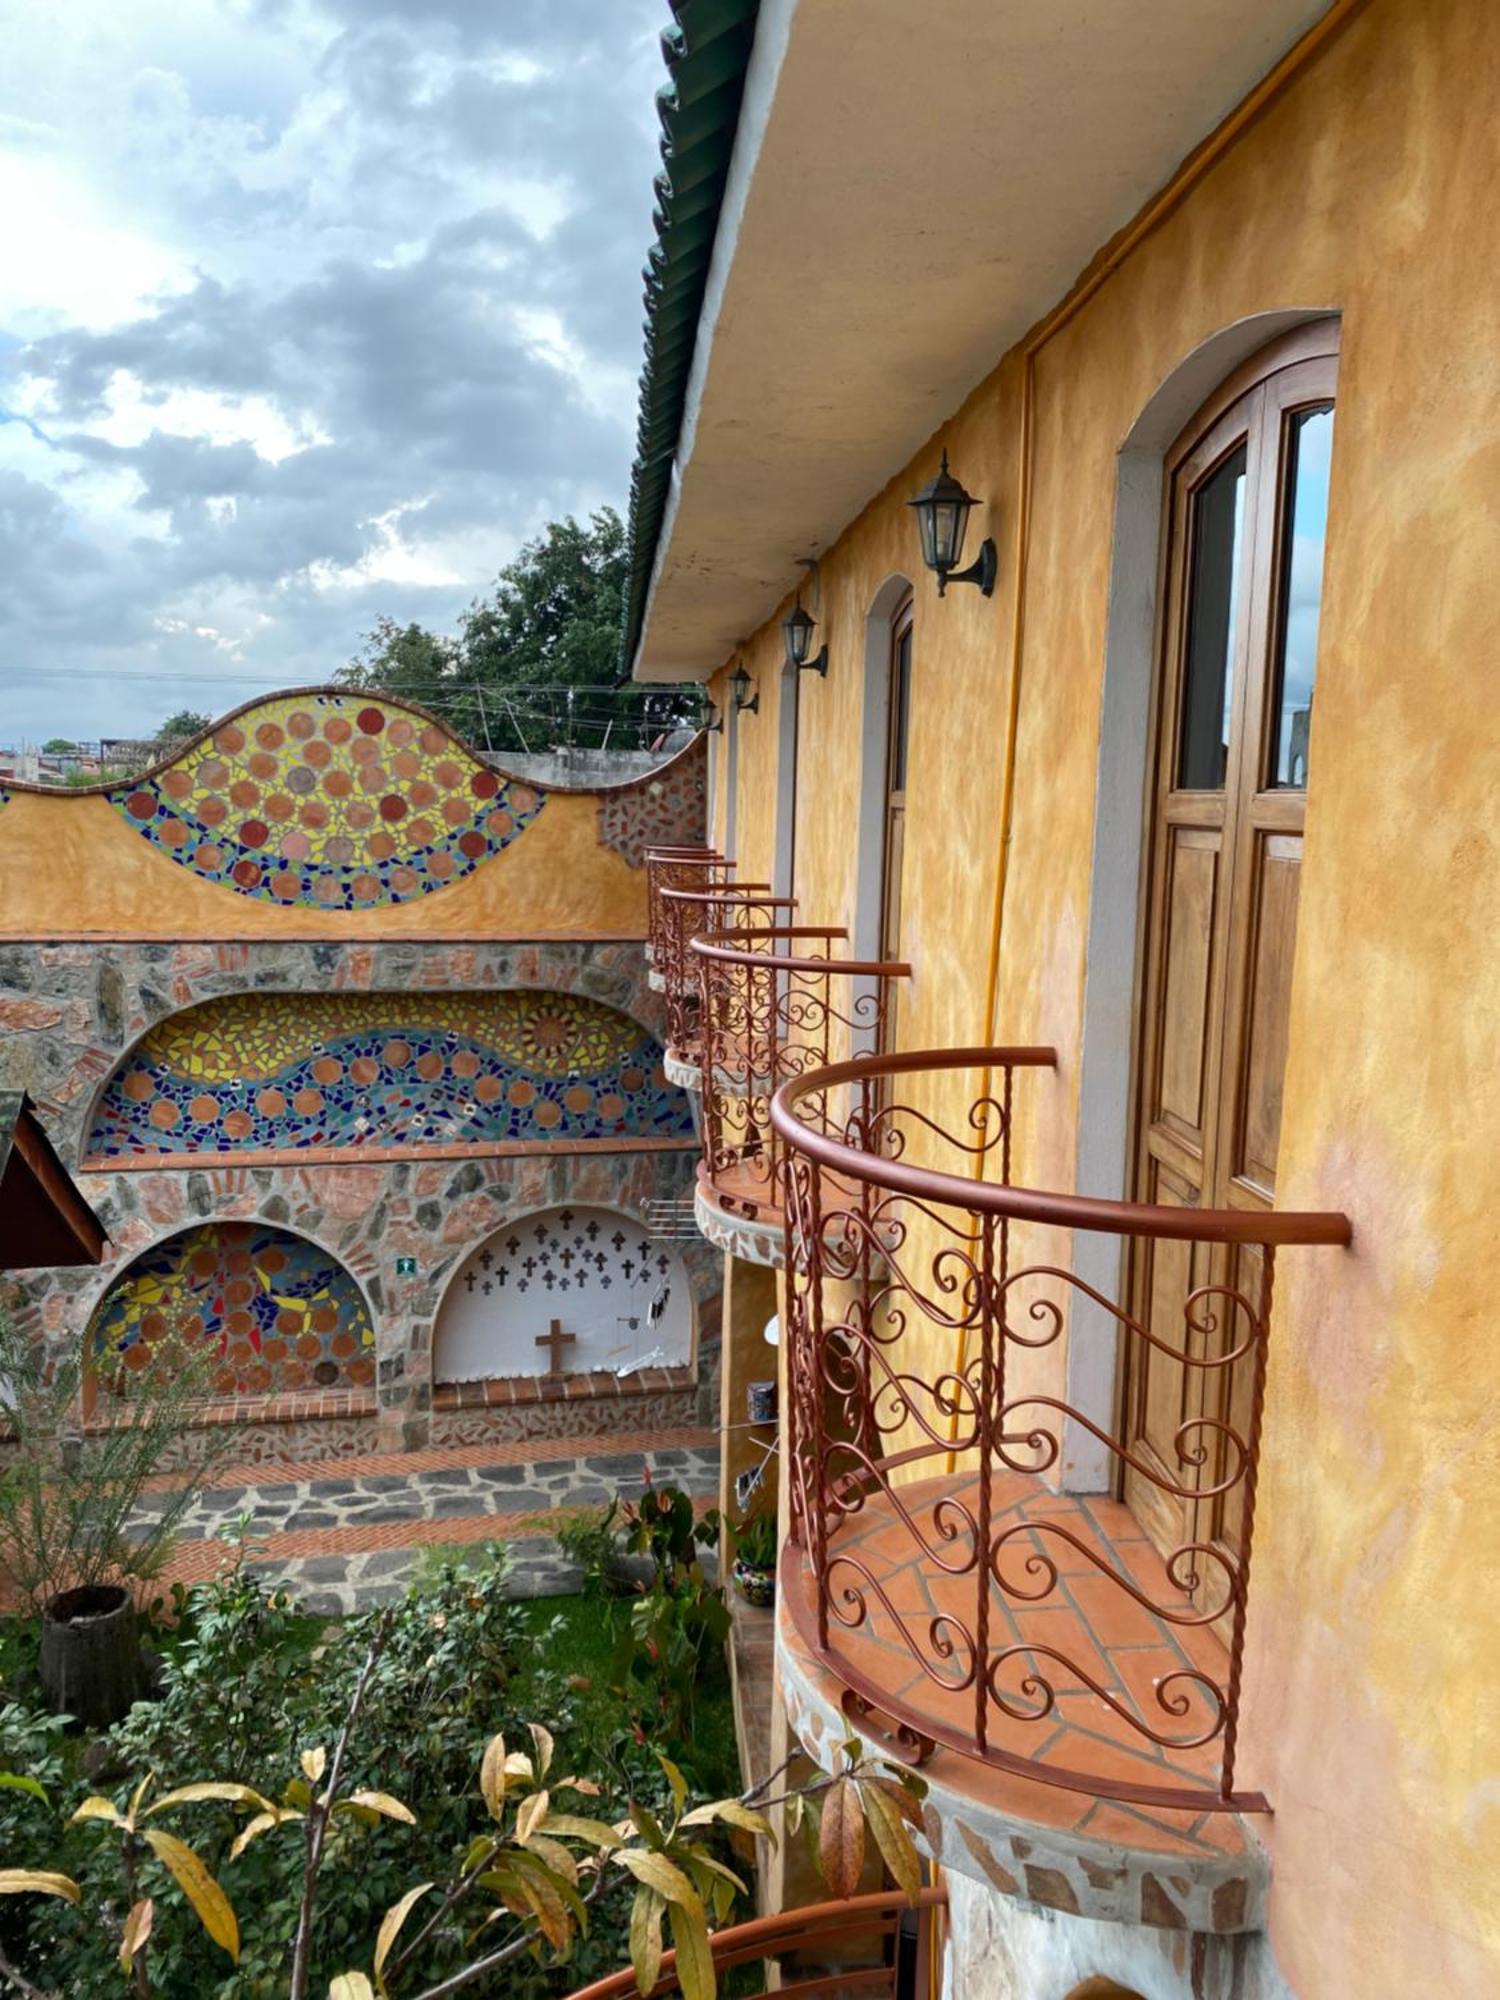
344	1536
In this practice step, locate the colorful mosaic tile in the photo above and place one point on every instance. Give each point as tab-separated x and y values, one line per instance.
669	806
336	800
284	1072
283	1314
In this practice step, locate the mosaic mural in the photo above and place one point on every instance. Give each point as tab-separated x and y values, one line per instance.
282	1314
669	807
286	1071
333	800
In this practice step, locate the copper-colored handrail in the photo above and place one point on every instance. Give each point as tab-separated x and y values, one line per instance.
1069	1211
788	1930
717	946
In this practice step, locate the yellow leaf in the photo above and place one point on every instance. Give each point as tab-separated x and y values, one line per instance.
542	1738
137	1930
390	1927
676	1780
518	1765
314	1764
841	1841
254	1828
138	1794
695	1960
98	1808
530	1815
384	1804
200	1888
646	1913
492	1776
584	1785
661	1875
351	1986
555	1856
37	1881
733	1814
232	1795
892	1838
568	1826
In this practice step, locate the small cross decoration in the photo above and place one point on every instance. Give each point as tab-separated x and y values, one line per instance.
554	1340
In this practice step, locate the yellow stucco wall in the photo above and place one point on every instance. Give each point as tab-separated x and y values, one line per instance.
70	866
1372	1720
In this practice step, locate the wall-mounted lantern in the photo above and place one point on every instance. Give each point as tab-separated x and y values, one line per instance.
739	682
797	630
716	727
942	517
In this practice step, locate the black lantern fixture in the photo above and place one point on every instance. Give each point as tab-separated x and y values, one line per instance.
716	726
942	518
797	630
739	682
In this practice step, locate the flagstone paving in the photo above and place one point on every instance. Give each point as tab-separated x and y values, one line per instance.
345	1536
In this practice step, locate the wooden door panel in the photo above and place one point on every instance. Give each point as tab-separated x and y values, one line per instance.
1190	897
1273	892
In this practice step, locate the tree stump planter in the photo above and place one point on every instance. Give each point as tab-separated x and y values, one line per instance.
91	1664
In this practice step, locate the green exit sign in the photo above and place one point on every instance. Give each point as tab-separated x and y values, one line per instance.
406	1267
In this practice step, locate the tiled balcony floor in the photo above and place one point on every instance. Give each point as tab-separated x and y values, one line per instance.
1084	1616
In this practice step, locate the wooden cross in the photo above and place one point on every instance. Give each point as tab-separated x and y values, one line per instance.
553	1340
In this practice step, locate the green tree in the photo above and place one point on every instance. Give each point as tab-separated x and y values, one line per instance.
58	746
533	662
179	727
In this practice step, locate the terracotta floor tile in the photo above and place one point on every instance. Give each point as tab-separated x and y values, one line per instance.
1066	1634
1113	1614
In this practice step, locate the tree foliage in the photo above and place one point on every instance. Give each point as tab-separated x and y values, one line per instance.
181	727
533	662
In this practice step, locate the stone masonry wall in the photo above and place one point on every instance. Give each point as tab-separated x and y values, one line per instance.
69	1012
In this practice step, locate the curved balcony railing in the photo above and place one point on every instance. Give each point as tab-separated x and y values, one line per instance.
978	1606
677	868
859	1944
718	906
773	1005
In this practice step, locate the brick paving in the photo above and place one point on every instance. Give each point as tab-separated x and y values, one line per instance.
346	1535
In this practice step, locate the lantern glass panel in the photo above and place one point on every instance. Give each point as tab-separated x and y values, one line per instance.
797	628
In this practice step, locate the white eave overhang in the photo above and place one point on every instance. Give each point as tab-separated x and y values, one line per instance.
914	184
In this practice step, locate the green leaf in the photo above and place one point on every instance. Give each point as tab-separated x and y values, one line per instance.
200	1888
647	1825
39	1882
12	1781
891	1836
542	1738
695	1959
390	1927
646	1913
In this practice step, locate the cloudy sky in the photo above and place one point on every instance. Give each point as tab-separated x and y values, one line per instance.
309	310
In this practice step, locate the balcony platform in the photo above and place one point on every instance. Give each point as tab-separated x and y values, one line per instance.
1081	1851
735	1212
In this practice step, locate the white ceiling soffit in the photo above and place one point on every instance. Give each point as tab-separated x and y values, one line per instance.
915	182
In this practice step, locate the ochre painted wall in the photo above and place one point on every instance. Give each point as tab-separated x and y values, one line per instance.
70	866
1366	189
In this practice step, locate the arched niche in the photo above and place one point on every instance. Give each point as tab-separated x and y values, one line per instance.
623	1295
277	1074
282	1314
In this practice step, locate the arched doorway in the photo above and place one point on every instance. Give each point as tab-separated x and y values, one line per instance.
1246	515
618	1299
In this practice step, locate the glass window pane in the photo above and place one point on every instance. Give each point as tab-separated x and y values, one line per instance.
1309	445
1213	590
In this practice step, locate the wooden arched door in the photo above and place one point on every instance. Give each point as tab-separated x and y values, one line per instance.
1247	507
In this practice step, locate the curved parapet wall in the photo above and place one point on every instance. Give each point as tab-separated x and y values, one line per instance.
337	800
286	1074
316	811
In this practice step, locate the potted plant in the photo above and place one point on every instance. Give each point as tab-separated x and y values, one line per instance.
755	1546
74	1535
